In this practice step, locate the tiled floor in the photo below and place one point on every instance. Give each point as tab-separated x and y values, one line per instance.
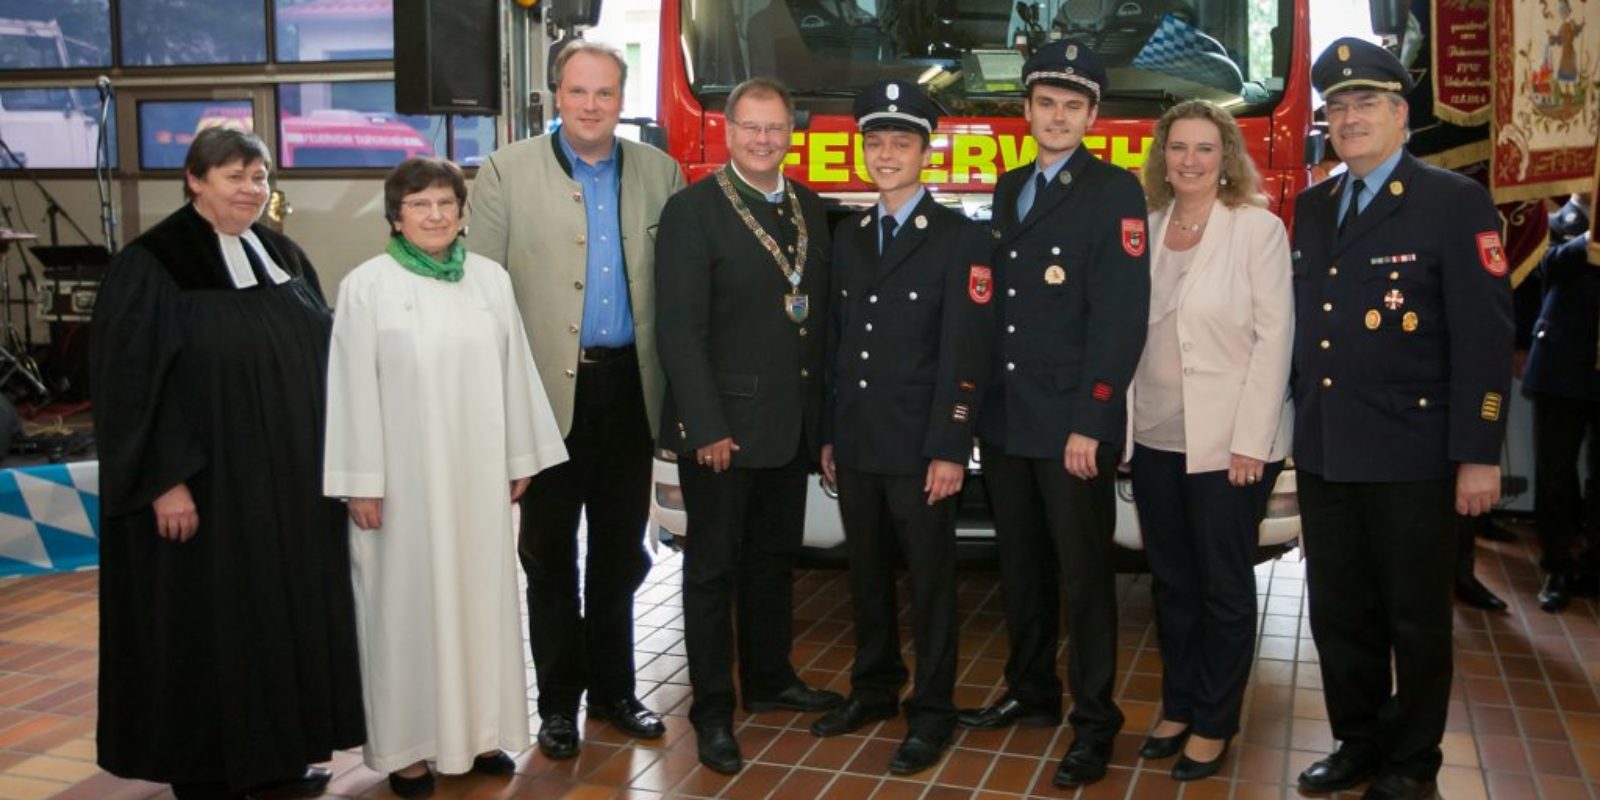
1524	723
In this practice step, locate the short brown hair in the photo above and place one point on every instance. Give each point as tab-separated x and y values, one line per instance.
1242	184
417	174
577	46
760	87
214	147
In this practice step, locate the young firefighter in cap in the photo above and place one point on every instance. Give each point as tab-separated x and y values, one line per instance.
1402	362
1073	267
910	347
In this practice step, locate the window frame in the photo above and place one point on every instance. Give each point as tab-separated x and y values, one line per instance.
195	81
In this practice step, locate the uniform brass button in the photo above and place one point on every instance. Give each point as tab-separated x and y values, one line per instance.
872	298
577	285
869	327
1013	254
1333	270
844	292
865	355
571	374
913	295
1327	382
582	240
1010	367
863	383
1011	329
805	373
803	332
572	329
1394	276
1422	402
1327	306
1011	293
1325	344
577	197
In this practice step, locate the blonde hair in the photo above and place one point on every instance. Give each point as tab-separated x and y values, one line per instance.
1241	182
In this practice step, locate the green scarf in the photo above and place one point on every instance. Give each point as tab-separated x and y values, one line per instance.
412	258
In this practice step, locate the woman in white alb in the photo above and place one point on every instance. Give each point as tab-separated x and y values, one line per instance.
1211	420
436	420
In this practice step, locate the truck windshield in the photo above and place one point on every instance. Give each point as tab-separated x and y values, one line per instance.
968	52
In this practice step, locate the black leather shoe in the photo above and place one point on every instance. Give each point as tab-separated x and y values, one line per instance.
1399	787
496	763
719	751
558	736
798	697
631	717
851	717
1345	769
1188	769
1472	592
311	783
1085	762
1163	746
1004	713
1556	593
420	786
918	752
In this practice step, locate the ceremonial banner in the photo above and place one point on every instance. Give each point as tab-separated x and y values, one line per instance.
1544	99
1460	74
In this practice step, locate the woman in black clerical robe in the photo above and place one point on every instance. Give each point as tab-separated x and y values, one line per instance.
227	626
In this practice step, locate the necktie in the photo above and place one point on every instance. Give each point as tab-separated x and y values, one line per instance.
1025	205
1354	209
889	223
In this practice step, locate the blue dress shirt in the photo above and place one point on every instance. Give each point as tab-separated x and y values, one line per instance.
1025	197
899	216
1373	181
607	311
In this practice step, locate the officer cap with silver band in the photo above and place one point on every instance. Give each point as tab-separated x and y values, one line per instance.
899	105
1069	64
1351	64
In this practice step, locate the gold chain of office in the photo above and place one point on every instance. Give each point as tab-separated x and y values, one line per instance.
795	273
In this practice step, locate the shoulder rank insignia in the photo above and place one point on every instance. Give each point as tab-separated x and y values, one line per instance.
960	412
1491	407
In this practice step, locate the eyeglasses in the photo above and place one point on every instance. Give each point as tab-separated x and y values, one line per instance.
447	208
753	130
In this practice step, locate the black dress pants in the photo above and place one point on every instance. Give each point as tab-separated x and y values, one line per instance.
885	515
744	531
1380	568
1200	536
1049	523
584	642
1564	508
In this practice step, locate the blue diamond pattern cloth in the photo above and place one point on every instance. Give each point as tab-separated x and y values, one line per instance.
1182	50
49	518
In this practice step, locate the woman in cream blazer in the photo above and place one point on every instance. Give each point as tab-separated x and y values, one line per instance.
1211	420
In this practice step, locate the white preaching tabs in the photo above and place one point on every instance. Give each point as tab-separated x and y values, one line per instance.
239	265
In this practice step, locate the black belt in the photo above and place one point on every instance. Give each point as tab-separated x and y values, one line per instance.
596	355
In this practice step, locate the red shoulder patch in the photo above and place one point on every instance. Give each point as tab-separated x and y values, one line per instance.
980	284
1492	254
1133	236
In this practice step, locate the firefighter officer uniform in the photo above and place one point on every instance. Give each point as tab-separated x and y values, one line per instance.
1073	269
1402	362
910	352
